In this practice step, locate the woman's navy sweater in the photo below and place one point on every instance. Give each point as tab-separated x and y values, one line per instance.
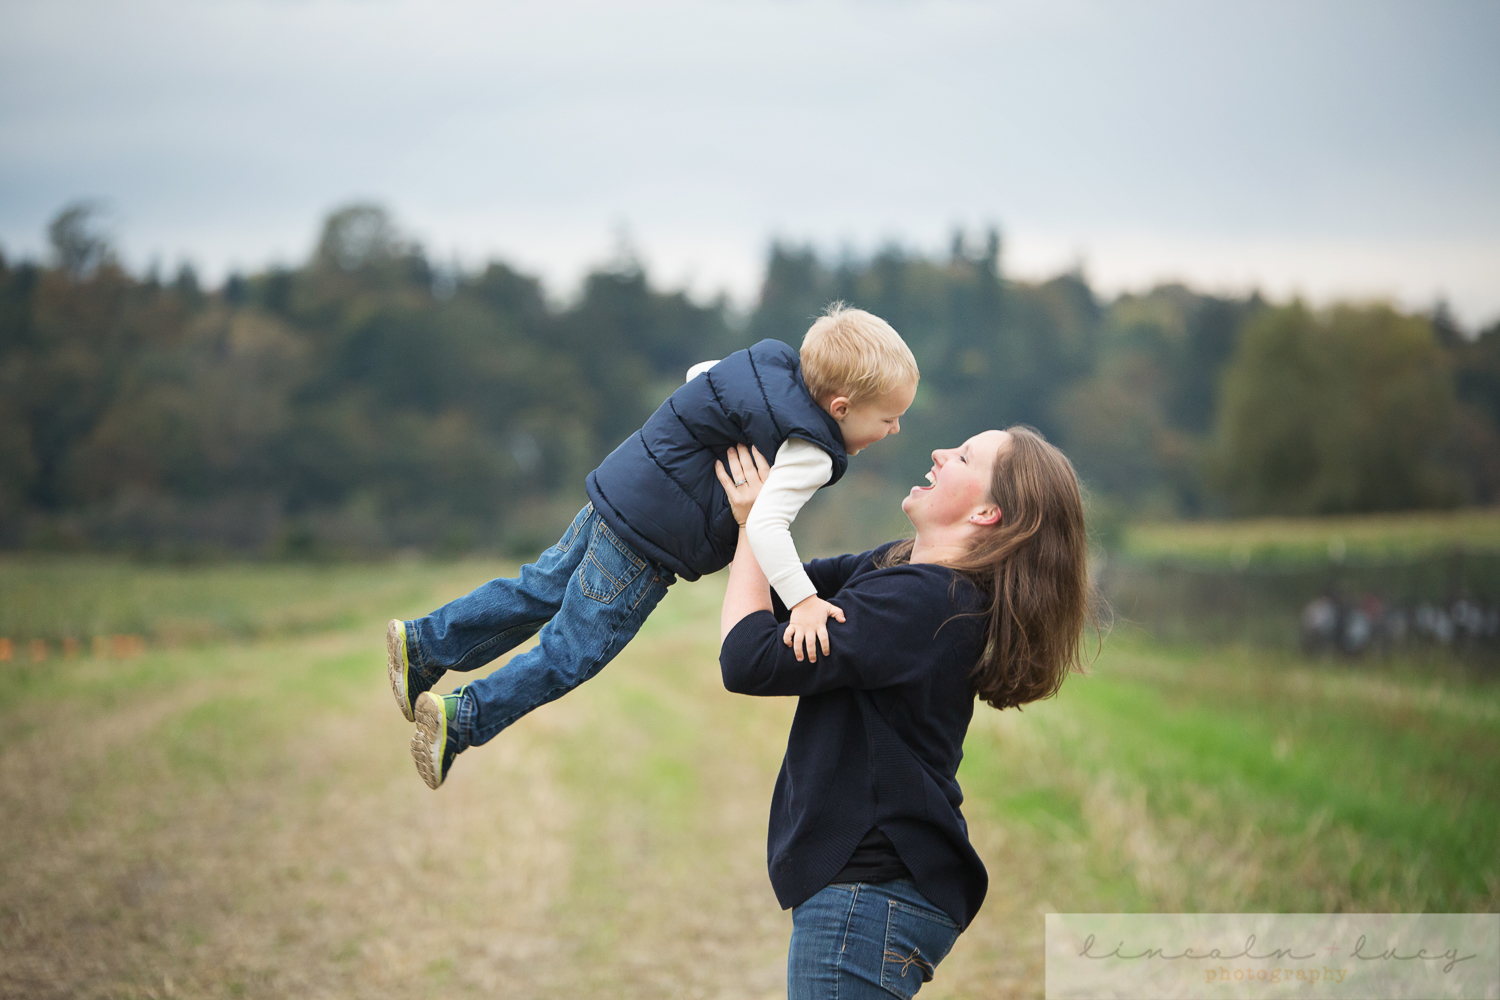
879	728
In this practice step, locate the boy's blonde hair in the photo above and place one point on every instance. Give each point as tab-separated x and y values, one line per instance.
849	352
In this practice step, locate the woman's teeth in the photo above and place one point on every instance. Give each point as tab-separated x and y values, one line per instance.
930	477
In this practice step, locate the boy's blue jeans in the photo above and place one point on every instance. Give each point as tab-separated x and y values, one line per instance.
866	941
588	595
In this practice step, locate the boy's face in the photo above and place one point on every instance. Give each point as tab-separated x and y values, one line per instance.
869	421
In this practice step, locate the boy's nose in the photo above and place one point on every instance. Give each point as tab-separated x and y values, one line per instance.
895	428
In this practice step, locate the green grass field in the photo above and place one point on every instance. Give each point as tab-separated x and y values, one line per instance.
235	813
1315	539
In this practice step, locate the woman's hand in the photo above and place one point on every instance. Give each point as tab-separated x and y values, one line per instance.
747	473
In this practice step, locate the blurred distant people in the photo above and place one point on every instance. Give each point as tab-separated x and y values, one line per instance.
1368	624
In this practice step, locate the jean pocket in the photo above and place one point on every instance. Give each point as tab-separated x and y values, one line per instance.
571	535
608	567
916	940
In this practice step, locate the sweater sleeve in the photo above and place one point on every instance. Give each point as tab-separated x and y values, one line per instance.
899	623
830	575
801	467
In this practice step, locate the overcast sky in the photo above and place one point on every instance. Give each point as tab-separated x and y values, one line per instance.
1333	149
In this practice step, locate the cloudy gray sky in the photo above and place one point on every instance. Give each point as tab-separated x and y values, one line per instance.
1332	149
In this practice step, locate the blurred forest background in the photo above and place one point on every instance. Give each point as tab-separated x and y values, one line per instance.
373	400
204	787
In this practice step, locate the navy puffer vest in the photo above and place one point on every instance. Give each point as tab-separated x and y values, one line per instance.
657	490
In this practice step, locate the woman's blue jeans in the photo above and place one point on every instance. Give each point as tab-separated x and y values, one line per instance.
588	595
866	941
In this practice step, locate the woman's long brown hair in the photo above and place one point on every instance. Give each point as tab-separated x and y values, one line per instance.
1033	571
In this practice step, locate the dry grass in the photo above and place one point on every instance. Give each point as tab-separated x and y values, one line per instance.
243	820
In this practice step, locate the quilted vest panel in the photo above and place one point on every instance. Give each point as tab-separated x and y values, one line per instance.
657	491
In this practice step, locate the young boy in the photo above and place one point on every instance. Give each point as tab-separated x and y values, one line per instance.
656	512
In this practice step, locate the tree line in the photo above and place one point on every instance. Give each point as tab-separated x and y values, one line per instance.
370	400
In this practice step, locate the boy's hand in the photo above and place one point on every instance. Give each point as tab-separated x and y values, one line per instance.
809	627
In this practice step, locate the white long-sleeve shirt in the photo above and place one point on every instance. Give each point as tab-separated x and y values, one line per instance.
799	470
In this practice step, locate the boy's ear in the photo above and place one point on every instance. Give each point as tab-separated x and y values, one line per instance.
838	407
988	517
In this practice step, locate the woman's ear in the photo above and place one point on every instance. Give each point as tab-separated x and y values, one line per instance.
988	517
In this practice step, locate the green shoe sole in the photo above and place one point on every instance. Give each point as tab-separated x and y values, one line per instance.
430	739
395	667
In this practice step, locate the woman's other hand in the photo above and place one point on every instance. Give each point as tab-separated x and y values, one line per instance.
747	473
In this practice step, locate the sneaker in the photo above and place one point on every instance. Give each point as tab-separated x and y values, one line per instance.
406	685
432	745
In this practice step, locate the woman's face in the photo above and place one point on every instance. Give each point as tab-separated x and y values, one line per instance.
959	483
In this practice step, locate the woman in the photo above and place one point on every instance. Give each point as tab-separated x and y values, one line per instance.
867	844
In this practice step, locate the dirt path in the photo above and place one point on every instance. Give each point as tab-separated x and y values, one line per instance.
244	821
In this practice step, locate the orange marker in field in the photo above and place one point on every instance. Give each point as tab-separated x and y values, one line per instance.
125	646
7	650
